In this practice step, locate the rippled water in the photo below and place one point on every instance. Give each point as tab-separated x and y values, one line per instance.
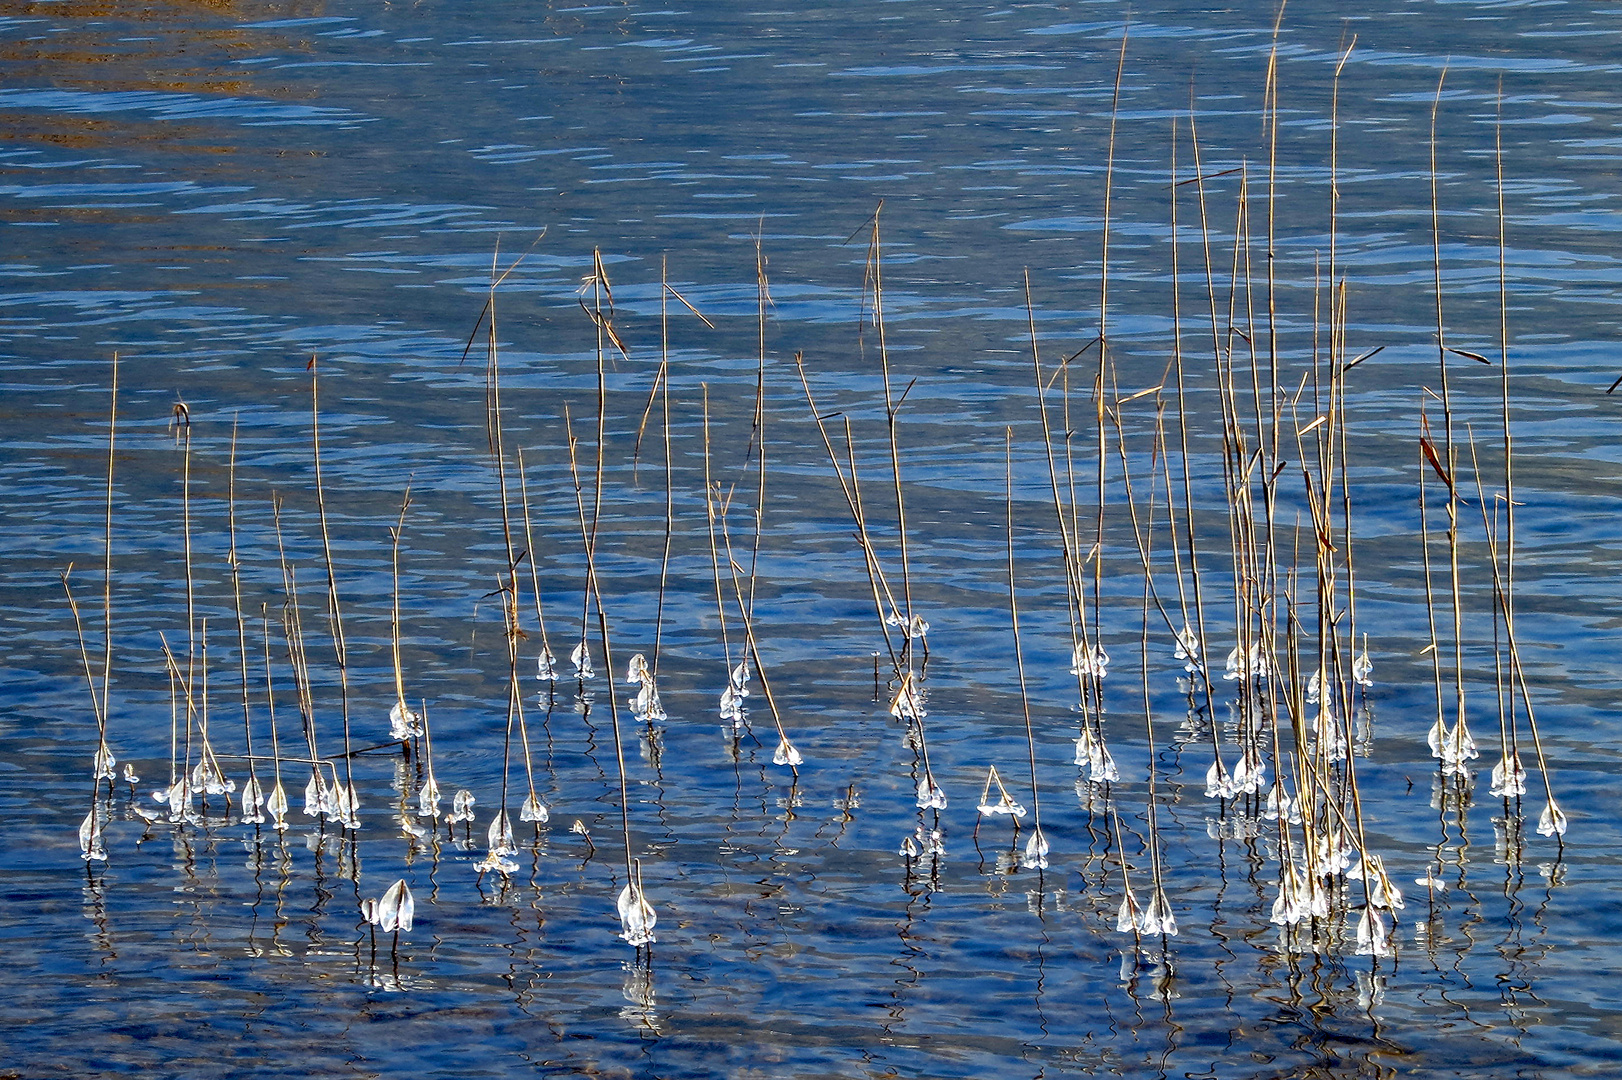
217	192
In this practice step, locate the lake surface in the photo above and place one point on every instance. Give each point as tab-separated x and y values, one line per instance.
216	193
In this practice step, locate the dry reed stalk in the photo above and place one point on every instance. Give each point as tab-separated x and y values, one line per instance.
594	593
712	496
548	662
348	799
508	589
252	796
786	753
1448	466
1036	848
852	492
107	579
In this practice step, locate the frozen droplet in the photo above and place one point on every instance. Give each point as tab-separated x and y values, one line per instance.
1089	661
786	754
348	804
909	700
403	722
253	801
1362	666
368	910
646	706
1036	851
1218	785
1157	917
428	800
1128	919
930	795
581	658
315	796
1372	936
1508	776
916	627
1101	767
104	763
637	670
533	810
461	806
276	805
500	835
129	775
636	916
91	847
1552	822
909	849
397	908
495	864
1437	737
1188	649
1315	687
547	666
740	678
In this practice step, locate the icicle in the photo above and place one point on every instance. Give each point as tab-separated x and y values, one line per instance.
533	810
909	849
637	672
104	763
1218	784
1315	686
129	775
461	806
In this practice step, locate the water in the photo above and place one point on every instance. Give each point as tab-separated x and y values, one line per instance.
217	193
